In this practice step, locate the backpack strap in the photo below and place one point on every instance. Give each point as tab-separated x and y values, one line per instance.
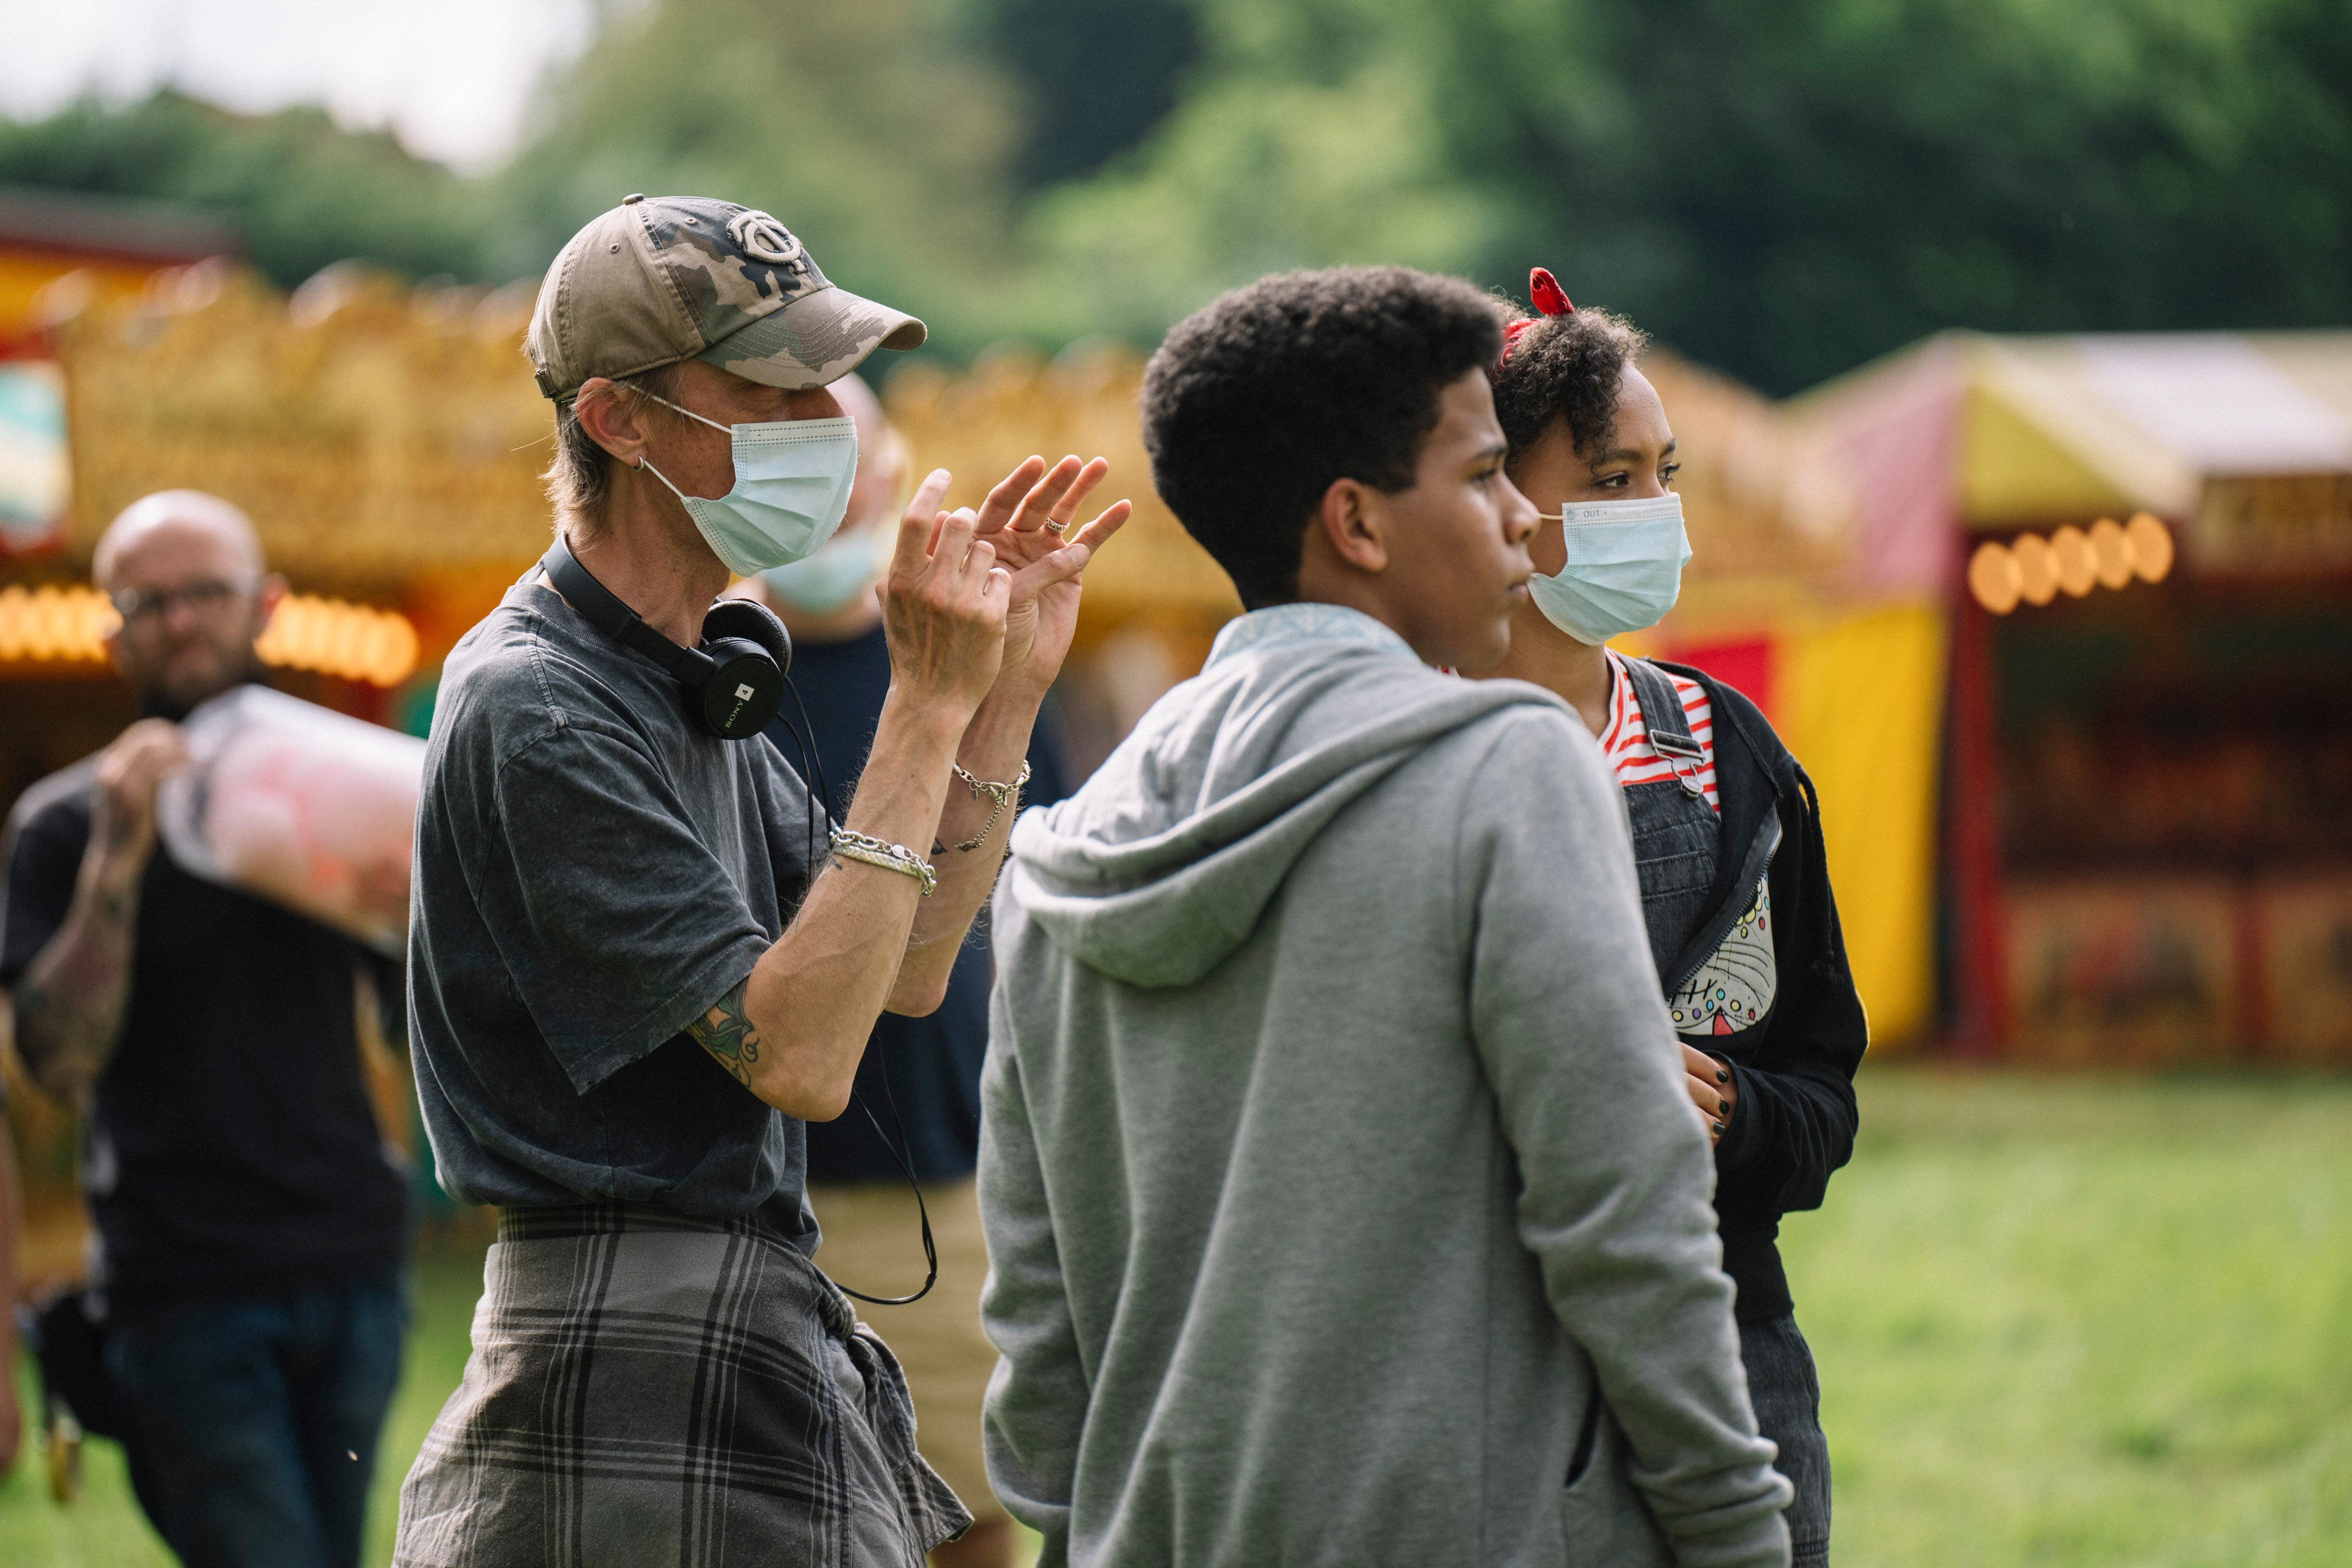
1668	726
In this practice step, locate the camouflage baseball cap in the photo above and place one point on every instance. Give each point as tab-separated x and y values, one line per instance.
662	278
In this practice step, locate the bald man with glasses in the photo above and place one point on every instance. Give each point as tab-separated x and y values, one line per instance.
249	1223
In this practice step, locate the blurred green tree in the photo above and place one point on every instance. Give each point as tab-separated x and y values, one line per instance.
1092	79
1311	133
1783	188
1811	184
872	128
302	190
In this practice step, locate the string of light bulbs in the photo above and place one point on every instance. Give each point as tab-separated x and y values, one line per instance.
2032	570
68	623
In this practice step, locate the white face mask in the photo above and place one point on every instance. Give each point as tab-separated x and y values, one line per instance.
836	571
1624	568
792	487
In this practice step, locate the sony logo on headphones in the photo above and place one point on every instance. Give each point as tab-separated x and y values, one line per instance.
744	694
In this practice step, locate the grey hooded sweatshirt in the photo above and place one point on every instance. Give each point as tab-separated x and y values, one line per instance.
1343	1202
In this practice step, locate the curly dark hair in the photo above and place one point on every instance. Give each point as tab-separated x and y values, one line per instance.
1257	402
1565	367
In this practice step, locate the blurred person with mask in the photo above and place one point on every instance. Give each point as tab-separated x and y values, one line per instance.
1736	898
641	963
921	1076
249	1223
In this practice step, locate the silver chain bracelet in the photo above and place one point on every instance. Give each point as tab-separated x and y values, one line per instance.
1001	793
888	856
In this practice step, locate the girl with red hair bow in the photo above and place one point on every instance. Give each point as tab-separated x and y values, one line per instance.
1727	840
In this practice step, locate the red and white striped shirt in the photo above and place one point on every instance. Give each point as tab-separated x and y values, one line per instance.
1626	741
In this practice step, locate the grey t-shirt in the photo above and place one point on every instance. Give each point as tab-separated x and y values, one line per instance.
592	874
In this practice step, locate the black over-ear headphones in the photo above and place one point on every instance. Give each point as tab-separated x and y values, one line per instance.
734	682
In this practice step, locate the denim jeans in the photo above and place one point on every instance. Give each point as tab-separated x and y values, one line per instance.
1787	1394
253	1420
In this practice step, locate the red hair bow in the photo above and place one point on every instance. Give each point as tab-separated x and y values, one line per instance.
1549	298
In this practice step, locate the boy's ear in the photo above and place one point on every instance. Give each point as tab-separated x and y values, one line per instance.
1353	523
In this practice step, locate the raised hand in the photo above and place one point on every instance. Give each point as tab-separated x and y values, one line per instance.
1027	517
127	772
943	602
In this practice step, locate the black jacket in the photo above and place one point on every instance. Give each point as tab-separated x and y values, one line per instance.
1794	1068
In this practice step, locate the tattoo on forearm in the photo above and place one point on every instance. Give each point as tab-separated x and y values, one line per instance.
727	1032
69	1005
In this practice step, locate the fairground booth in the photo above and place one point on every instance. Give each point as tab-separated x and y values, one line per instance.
2142	546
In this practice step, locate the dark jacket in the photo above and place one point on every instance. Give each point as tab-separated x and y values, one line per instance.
1794	1068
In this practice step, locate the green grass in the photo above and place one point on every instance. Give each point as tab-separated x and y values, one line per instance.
2061	1321
104	1529
2074	1320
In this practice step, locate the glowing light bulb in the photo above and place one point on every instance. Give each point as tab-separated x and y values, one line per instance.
2111	553
2151	547
2070	550
1993	576
2037	568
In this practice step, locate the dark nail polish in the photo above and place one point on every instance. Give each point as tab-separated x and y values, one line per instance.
1718	1129
1723	1106
1722	1075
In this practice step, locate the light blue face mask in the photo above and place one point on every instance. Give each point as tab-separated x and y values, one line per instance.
792	486
1624	569
837	572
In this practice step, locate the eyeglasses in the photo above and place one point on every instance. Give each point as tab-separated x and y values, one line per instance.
206	597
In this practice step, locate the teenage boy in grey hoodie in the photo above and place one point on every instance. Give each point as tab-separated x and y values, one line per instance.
1343	1200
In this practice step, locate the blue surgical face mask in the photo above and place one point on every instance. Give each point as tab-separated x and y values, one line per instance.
1624	569
792	486
837	572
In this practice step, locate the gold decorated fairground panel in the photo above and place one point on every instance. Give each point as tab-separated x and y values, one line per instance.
377	433
1763	513
368	434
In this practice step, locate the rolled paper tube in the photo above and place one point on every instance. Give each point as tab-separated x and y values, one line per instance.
300	805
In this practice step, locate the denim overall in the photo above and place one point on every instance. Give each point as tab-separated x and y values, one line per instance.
1676	848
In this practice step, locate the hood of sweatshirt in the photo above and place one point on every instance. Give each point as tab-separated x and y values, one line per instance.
1161	866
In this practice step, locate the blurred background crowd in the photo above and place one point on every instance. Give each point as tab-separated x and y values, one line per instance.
2009	348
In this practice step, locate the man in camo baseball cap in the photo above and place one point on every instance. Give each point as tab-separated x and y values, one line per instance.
662	278
642	962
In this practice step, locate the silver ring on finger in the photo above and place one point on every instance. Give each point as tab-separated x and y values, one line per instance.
1054	527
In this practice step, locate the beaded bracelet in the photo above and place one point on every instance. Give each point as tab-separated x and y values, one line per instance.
1001	793
888	856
